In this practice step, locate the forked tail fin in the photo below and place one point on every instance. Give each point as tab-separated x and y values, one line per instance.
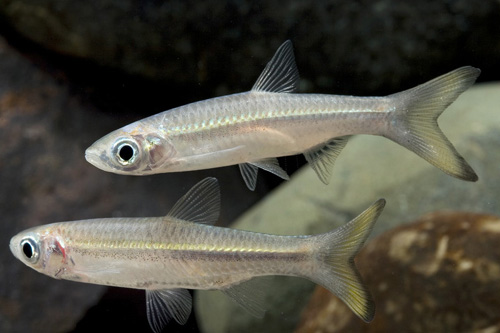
335	268
414	122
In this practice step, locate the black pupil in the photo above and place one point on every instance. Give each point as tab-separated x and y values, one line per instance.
28	250
126	153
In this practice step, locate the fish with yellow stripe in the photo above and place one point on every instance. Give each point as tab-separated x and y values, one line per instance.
253	128
167	255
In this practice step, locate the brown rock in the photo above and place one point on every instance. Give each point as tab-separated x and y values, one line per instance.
438	274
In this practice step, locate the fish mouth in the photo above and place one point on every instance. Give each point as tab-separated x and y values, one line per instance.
92	157
100	160
13	245
96	159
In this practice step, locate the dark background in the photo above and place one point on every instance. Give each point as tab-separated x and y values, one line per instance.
70	72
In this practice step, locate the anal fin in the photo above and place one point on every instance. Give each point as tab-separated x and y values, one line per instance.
323	159
165	304
249	296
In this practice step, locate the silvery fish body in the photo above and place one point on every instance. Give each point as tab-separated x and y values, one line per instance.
167	255
251	129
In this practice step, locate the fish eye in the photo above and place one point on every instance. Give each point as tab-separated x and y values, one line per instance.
126	151
30	250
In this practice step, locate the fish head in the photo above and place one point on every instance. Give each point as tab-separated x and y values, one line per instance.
42	250
131	150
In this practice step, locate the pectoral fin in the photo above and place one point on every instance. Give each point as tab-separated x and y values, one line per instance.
163	305
323	159
249	170
97	271
249	174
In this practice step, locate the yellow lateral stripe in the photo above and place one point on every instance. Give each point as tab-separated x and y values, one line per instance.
141	245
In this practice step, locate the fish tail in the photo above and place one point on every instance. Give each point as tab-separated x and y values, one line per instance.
335	269
414	124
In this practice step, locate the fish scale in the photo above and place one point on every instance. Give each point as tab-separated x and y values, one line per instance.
253	128
164	241
166	255
291	123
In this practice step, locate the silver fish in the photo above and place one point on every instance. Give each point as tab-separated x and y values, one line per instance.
167	255
252	128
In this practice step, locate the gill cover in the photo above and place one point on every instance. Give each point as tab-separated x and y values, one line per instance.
147	152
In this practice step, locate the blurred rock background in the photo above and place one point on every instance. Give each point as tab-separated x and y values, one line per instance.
367	169
437	274
220	46
73	71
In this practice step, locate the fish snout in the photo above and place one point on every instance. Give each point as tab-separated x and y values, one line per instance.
13	245
98	159
91	156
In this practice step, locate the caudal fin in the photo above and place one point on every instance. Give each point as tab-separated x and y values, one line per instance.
414	124
335	261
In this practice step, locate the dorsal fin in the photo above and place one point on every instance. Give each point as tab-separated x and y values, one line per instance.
281	74
201	204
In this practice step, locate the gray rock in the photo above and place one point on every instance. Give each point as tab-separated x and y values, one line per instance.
344	47
437	274
369	168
